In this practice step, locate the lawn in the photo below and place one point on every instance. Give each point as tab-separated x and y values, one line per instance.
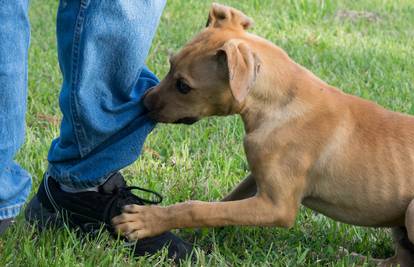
363	47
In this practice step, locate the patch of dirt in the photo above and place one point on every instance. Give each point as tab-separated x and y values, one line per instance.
152	152
54	120
354	16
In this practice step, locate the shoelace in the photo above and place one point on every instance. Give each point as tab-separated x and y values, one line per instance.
124	196
125	192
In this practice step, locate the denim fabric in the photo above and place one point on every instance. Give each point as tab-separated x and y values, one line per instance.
102	46
102	49
15	183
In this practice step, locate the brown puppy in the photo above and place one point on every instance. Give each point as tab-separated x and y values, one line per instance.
306	142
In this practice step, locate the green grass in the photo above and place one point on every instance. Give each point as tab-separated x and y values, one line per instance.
369	58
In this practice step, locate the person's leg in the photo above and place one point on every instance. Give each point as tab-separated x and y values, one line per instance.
102	47
102	50
15	183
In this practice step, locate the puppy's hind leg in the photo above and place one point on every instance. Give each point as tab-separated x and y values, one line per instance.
404	242
404	250
404	238
247	188
409	221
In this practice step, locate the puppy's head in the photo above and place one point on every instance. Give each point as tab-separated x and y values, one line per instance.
211	75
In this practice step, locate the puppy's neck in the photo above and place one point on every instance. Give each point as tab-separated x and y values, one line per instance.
258	115
274	105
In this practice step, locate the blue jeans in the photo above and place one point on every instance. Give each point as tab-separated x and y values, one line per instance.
102	47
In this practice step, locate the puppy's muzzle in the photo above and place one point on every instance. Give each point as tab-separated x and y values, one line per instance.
153	105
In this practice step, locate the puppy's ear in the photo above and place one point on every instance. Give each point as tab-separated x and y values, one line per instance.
243	67
221	16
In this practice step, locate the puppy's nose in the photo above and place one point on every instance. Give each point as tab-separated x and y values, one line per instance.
150	100
147	92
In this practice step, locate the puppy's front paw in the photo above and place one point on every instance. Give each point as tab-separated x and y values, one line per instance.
137	222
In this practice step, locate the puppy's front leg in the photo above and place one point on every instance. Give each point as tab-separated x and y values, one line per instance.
138	222
247	188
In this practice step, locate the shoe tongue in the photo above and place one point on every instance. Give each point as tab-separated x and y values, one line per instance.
114	182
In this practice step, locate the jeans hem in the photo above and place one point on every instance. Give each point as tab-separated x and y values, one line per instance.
10	212
74	181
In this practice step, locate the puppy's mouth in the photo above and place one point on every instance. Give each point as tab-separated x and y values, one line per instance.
187	120
159	118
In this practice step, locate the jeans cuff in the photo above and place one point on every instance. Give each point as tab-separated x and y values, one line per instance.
10	212
73	181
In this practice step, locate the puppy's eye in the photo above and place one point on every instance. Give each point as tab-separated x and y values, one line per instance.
182	87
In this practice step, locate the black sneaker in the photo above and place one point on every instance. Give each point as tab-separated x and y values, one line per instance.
90	211
4	224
